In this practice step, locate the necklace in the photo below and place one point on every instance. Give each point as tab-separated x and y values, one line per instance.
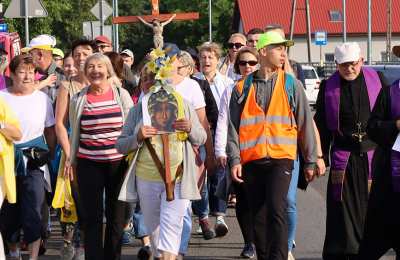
359	135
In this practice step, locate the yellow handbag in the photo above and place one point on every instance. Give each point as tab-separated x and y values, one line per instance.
63	196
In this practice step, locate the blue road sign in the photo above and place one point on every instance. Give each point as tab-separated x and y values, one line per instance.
320	38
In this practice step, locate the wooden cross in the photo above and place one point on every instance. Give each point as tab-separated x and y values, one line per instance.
155	14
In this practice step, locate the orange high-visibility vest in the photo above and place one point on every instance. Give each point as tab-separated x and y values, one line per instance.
267	135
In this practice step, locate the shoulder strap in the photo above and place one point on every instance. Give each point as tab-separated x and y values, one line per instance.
155	158
289	88
246	88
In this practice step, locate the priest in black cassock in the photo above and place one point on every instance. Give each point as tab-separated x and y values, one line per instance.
382	225
343	108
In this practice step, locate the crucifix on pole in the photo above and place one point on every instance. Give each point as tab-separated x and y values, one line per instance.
156	21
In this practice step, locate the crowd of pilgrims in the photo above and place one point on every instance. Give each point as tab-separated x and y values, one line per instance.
87	135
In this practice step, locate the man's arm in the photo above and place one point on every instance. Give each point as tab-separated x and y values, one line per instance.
169	20
144	22
304	120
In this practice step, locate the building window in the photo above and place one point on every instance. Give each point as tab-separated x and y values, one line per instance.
335	16
329	57
392	57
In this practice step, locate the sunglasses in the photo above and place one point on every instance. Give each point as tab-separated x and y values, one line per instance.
237	45
103	46
250	62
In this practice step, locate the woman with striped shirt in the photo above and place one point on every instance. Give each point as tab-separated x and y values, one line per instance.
97	114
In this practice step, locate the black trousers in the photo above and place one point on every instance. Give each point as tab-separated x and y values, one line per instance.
243	213
267	185
93	179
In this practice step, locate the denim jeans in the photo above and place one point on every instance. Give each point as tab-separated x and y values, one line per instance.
200	207
292	209
27	212
217	205
138	223
186	232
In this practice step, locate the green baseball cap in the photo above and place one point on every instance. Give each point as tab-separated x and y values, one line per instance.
272	37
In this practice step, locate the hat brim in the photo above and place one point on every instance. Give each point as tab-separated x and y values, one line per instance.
286	43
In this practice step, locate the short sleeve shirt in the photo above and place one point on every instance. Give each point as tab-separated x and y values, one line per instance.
34	112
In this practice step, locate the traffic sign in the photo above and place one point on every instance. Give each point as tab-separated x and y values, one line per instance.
16	9
91	30
107	10
321	38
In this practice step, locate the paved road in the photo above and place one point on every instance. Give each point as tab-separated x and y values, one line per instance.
309	240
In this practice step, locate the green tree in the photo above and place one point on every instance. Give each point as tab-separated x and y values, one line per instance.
66	17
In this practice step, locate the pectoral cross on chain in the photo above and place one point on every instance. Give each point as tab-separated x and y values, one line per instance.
360	134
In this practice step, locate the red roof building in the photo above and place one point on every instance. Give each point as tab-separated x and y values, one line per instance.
259	13
325	15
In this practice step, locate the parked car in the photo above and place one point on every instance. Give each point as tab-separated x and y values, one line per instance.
312	83
390	72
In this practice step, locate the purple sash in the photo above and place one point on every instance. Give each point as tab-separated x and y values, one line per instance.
395	156
340	158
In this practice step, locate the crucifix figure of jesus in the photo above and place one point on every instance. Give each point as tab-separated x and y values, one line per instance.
158	28
156	21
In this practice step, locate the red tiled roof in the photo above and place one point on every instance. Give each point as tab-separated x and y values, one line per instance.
259	13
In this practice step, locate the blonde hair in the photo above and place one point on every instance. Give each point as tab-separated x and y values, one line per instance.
102	58
186	59
211	47
239	35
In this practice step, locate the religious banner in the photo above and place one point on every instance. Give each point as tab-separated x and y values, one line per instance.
163	111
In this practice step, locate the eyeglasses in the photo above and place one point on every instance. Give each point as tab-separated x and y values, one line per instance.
181	67
101	46
237	45
250	62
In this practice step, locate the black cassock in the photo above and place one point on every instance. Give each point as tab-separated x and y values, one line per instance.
382	227
345	218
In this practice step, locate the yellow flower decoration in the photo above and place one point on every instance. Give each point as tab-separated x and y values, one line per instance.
151	66
157	53
164	73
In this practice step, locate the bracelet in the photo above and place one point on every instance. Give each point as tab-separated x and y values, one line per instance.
320	157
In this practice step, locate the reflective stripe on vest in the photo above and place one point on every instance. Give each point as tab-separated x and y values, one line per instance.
273	134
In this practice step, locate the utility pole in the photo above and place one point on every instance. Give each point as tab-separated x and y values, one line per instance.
308	30
210	20
294	4
101	17
344	22
389	30
115	26
369	54
26	9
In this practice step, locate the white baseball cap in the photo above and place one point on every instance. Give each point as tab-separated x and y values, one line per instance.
127	52
347	52
43	41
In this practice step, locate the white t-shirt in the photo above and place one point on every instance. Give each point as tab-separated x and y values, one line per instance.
191	92
34	112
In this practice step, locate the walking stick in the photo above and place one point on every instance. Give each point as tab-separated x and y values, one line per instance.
169	186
